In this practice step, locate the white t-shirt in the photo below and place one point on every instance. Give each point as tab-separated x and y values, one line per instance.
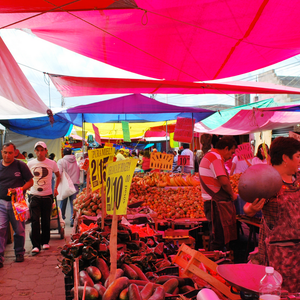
257	161
42	176
120	156
191	155
240	165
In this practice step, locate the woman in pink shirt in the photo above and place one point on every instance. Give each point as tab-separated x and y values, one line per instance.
146	162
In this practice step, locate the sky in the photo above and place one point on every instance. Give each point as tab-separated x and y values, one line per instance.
36	57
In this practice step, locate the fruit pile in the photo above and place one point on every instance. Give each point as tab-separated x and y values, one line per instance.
167	179
89	204
182	202
234	180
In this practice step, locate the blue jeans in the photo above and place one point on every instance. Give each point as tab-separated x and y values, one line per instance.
64	202
6	216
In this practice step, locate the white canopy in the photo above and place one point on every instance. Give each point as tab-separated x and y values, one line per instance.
17	96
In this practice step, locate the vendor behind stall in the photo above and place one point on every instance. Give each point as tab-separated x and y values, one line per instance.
279	239
218	195
186	151
146	162
260	157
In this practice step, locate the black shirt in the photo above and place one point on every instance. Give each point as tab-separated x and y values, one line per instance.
13	176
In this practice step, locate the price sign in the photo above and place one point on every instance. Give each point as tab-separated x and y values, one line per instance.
183	160
244	151
184	130
118	182
161	161
98	159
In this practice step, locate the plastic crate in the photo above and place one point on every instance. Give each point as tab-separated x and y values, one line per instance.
69	284
179	237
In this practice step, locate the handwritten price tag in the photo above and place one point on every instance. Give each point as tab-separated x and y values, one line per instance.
118	182
183	160
184	130
98	159
244	151
161	161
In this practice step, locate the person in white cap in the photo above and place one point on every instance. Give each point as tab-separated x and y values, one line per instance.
41	197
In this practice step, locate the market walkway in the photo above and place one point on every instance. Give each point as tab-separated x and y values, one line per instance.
38	276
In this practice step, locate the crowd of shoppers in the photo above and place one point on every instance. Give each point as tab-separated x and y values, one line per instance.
35	176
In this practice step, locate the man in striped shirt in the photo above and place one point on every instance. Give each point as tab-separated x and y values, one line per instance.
217	193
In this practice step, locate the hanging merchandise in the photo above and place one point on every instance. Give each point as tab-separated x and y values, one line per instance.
173	144
126	131
97	134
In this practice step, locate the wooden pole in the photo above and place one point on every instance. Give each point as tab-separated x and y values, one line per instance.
87	192
113	247
76	277
84	289
103	203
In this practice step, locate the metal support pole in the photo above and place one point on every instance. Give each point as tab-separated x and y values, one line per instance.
167	137
193	132
83	136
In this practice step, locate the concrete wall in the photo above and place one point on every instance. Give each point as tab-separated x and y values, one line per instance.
271	77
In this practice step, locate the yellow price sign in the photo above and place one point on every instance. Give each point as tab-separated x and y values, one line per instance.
118	182
98	159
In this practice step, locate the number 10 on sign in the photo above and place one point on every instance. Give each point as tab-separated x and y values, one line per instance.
119	176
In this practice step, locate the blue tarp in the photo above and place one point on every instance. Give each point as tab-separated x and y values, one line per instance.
39	127
132	108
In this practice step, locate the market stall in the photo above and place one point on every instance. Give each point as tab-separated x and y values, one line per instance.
162	225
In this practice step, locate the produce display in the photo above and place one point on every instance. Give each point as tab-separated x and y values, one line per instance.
144	259
89	204
234	181
152	191
167	179
140	261
183	202
144	266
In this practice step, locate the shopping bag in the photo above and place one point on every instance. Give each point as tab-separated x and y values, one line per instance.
66	187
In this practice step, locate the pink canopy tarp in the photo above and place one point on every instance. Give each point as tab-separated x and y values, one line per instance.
59	5
70	86
184	40
249	121
17	96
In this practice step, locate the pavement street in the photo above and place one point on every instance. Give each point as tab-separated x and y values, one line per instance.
38	277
